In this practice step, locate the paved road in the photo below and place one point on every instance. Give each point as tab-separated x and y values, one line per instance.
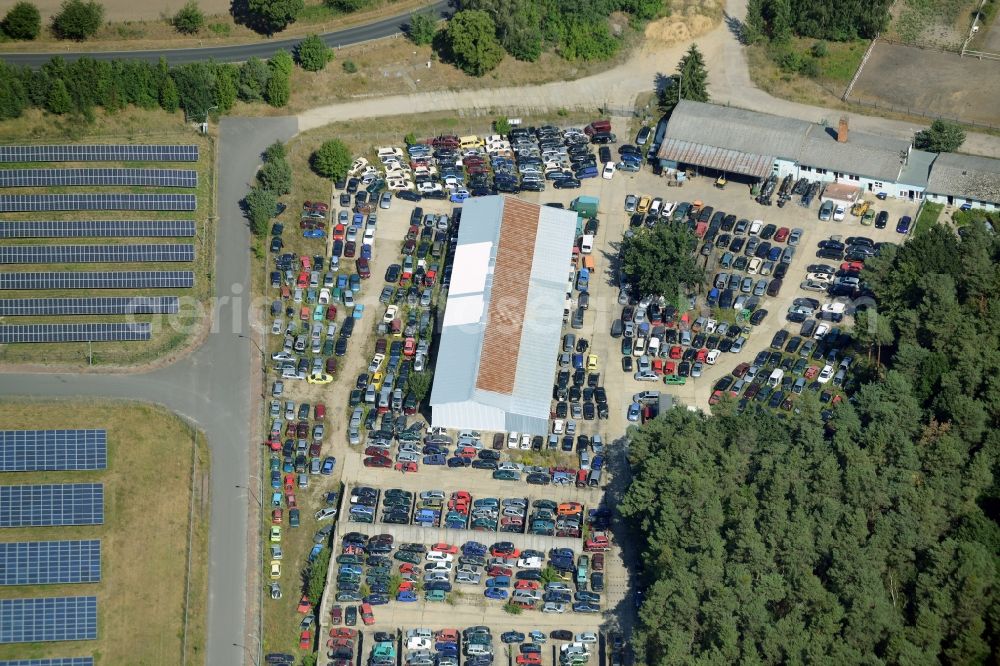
240	52
211	387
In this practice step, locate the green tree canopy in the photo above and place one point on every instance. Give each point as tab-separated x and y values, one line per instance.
259	204
78	19
313	54
272	16
943	136
420	383
472	42
348	5
690	81
658	261
189	19
422	28
332	159
58	100
23	21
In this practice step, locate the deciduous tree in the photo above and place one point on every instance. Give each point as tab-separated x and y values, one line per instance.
23	21
259	205
658	261
422	28
313	54
332	159
272	16
78	19
472	42
943	136
189	19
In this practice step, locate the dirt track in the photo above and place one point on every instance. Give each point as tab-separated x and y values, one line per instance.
128	10
932	83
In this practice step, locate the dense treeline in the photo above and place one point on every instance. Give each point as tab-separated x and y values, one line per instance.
577	29
80	86
870	539
835	20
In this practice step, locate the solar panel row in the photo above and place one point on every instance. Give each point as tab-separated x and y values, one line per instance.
98	177
103	254
98	305
50	562
97	280
96	228
48	619
22	203
29	333
50	505
53	450
99	153
57	661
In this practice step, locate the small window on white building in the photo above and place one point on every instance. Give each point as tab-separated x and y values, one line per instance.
820	171
837	174
853	177
877	184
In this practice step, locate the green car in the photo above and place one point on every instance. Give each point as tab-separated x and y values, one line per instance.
435	595
868	217
407	556
349	559
506	475
378	571
674	380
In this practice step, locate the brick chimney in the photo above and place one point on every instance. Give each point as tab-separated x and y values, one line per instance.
842	130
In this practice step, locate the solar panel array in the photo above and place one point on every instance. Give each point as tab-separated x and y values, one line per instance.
98	177
97	280
26	203
96	228
99	153
99	254
110	332
48	619
50	505
57	661
50	562
98	305
53	450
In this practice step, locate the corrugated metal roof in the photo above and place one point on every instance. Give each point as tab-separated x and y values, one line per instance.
751	133
966	176
538	316
722	159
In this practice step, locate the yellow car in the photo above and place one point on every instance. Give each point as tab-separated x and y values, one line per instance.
276	534
591	362
643	206
377	379
275	569
321	378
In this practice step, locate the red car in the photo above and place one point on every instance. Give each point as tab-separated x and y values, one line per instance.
338	232
378	461
701	355
350	249
377	451
276	516
304	605
504	549
363	269
676	352
527	585
406	466
336	617
781	235
531	658
305	640
499	571
445	548
715	397
597	562
331	313
852	266
366	614
597	544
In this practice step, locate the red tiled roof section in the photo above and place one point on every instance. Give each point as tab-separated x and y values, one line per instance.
502	339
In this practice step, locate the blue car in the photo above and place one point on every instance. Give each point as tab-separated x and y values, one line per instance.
456	461
328	464
314	233
774	254
376	599
314	553
633	412
459	197
436	459
275	479
473	548
366	251
406	596
512	637
903	226
495	593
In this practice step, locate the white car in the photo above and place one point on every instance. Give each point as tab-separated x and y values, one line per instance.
825	374
813	285
349	298
359	165
324	296
530	563
609	171
553	607
369	238
390	313
326	512
436	556
418	643
838	214
820	277
836	308
586	637
713	356
428	186
820	331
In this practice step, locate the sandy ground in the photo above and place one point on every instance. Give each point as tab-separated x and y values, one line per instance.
949	85
125	10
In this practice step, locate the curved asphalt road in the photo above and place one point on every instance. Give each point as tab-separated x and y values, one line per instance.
240	52
211	387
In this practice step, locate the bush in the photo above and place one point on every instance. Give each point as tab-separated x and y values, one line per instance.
78	19
189	19
410	138
501	125
422	29
313	54
276	176
819	50
809	67
332	159
260	205
23	21
347	5
349	66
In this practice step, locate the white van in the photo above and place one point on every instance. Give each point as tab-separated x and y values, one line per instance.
654	346
587	244
755	227
776	377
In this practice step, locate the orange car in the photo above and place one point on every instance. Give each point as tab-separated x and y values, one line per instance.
570	508
447	636
445	548
367	616
276	516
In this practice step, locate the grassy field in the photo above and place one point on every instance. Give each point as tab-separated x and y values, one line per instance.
170	332
836	68
941	23
150	490
929	214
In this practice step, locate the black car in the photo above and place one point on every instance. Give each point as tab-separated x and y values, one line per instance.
561	635
829	253
881	219
485	464
566	184
408	195
588	411
341	348
533	186
757	317
604	153
392	273
345	199
279	658
277	244
778	341
539	479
